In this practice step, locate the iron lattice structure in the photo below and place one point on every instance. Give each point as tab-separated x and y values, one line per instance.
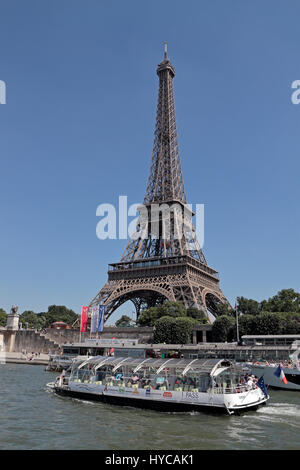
167	263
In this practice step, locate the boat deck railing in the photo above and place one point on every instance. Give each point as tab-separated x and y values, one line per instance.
110	382
233	389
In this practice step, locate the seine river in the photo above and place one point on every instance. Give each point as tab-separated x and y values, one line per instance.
33	418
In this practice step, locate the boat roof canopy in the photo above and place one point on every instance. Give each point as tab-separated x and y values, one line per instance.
207	366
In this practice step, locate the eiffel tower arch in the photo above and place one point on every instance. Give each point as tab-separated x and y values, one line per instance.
168	263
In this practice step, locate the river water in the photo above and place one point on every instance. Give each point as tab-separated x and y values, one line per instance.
33	418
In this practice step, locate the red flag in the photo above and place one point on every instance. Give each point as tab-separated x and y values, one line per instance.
112	349
84	319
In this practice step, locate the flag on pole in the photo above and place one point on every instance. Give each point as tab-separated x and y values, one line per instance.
94	319
261	384
280	374
84	319
112	350
101	318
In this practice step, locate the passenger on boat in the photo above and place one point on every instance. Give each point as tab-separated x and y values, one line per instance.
249	383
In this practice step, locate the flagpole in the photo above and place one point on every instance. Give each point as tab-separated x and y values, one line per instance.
80	326
237	323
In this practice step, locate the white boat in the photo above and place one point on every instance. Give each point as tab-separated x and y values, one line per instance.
291	370
163	384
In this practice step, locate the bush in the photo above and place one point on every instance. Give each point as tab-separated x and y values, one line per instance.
163	330
223	329
3	317
173	330
247	325
270	323
199	315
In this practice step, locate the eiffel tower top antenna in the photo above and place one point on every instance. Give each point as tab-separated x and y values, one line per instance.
166	50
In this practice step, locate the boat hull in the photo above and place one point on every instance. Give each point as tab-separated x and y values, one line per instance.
157	404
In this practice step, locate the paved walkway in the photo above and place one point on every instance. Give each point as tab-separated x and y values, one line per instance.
19	358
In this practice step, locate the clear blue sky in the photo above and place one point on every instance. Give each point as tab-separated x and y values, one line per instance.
77	131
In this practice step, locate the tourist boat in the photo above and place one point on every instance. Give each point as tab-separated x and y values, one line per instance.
291	371
162	384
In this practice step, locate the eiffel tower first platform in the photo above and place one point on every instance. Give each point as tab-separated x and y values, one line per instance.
163	266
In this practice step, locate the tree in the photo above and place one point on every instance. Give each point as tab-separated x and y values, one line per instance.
223	309
170	309
248	306
3	317
223	329
148	317
182	330
172	330
247	325
267	324
286	300
270	323
124	321
59	313
34	320
198	315
163	330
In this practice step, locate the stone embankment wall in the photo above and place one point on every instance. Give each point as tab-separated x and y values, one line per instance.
29	340
51	340
144	334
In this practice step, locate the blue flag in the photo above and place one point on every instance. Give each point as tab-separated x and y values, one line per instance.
101	318
261	384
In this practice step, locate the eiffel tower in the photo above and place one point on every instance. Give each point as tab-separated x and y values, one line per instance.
163	265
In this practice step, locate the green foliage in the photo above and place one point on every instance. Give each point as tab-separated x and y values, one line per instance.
198	315
182	330
286	300
223	309
277	315
223	329
35	321
45	319
247	325
149	316
124	321
172	330
267	324
59	313
172	309
163	330
248	306
291	326
3	317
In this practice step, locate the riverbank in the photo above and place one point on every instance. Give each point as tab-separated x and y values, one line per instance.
19	358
